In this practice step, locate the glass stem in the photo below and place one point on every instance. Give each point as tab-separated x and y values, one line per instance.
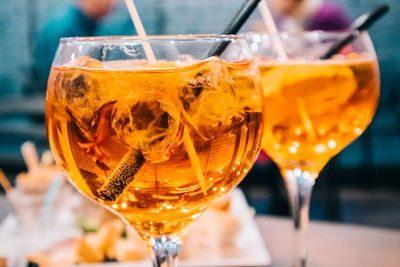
165	251
299	185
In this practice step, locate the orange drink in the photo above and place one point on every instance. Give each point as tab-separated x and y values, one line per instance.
155	143
315	109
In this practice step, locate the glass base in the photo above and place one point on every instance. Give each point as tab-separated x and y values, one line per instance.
165	251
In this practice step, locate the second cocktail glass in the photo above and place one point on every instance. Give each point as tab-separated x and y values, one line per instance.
155	142
313	108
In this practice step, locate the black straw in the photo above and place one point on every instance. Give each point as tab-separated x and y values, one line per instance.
360	24
234	26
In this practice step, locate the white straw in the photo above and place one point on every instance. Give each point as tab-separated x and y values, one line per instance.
271	27
140	29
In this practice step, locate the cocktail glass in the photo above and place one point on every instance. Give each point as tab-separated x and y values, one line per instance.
155	142
313	108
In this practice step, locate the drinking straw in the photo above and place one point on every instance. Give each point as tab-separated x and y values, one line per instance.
150	56
30	155
359	25
133	161
234	26
4	182
271	28
137	22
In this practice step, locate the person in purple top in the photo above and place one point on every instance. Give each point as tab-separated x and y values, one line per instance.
329	17
297	15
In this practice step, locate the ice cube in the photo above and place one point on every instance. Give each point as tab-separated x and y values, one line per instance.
246	78
208	100
87	62
150	128
81	92
148	125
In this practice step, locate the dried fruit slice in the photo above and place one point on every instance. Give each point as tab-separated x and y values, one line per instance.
322	87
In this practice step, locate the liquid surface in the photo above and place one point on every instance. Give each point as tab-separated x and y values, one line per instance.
155	145
314	110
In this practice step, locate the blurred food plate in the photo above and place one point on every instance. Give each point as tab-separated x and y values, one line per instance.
248	248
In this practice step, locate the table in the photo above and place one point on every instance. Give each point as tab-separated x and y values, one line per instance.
330	244
333	245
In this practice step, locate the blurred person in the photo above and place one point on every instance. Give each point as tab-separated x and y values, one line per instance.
299	15
86	18
110	17
77	20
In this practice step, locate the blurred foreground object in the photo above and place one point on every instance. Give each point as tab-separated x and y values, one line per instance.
31	193
226	233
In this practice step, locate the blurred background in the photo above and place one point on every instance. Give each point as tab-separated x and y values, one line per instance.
361	185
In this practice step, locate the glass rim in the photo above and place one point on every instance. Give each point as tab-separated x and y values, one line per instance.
125	38
315	36
304	32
